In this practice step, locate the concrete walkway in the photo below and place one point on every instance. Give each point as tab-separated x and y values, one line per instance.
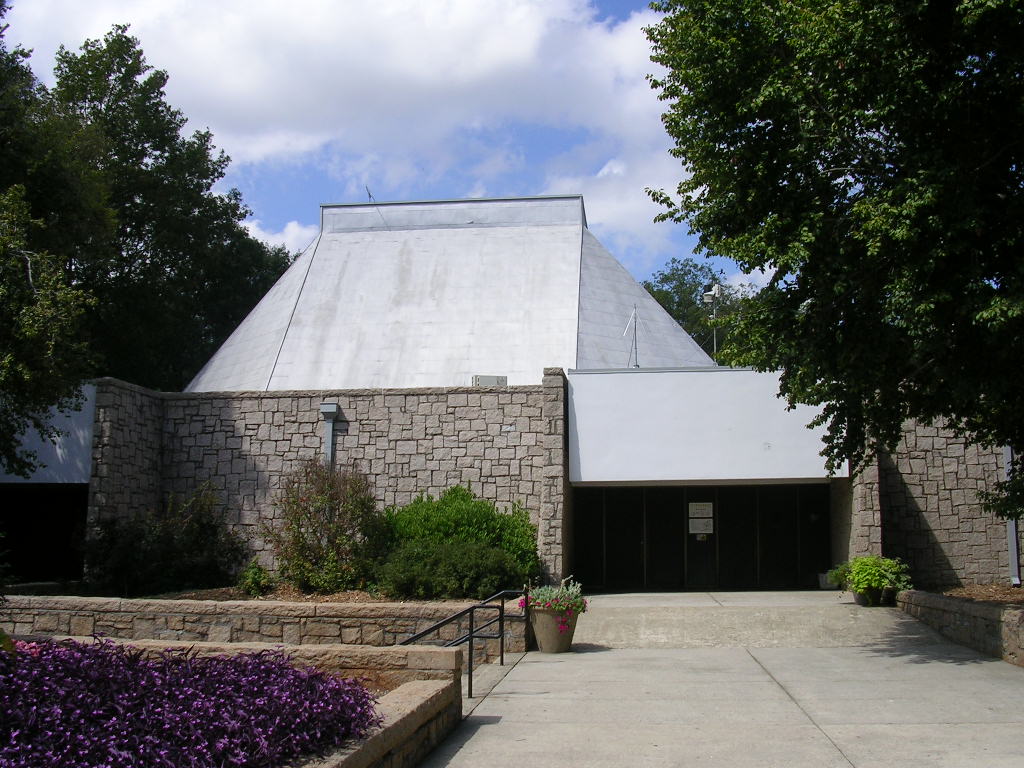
763	684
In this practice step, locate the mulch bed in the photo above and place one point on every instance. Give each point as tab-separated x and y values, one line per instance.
989	593
985	593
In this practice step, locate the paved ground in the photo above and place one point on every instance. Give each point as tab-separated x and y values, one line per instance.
901	696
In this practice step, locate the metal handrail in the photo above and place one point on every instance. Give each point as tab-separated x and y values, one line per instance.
474	631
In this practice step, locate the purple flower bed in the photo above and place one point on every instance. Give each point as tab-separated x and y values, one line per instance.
85	706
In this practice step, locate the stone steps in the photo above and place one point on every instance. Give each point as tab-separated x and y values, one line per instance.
754	620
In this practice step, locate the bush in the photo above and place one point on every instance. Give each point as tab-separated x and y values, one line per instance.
871	572
187	545
255	580
427	570
839	575
77	705
330	535
458	515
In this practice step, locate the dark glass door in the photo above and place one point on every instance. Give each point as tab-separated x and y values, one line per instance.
701	537
665	537
624	538
737	538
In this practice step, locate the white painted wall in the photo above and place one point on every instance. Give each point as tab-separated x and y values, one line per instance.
687	426
69	459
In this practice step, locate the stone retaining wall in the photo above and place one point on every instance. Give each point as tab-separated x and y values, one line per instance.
990	628
417	717
383	669
246	621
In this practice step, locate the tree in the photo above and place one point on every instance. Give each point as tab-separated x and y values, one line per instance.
869	157
42	356
182	272
680	287
116	257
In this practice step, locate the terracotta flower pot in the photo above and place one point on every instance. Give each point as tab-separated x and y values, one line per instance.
552	629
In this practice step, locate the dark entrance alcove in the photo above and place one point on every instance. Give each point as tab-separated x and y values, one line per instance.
701	537
43	526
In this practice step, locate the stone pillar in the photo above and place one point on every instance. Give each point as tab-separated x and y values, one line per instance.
555	476
866	512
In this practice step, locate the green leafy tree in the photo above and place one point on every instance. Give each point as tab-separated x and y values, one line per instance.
45	187
680	289
51	154
182	271
869	157
42	355
114	209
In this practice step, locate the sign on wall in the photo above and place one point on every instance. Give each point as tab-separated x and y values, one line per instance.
701	517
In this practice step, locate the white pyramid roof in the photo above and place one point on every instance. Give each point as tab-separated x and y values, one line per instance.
430	294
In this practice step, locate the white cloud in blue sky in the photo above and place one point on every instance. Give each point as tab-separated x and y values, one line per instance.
317	100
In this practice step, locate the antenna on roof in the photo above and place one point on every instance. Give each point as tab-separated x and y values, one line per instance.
634	350
370	198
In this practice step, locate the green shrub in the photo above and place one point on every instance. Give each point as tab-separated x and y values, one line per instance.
458	515
427	570
255	580
186	545
871	572
839	575
330	535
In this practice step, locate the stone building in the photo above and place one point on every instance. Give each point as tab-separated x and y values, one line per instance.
497	344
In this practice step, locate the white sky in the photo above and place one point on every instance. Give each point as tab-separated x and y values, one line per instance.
315	100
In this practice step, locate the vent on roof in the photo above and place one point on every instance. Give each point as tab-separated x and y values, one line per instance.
490	381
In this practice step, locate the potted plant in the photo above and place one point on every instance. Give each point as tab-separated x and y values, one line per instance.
553	612
873	580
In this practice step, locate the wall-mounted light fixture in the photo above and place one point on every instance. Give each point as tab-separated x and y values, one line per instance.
330	413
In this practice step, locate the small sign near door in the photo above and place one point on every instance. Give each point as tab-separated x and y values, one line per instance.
701	516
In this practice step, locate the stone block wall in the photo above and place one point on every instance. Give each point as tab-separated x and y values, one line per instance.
990	628
865	537
921	503
417	717
932	516
552	536
505	443
127	449
382	669
249	621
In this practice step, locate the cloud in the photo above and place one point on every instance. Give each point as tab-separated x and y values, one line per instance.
414	99
755	280
295	237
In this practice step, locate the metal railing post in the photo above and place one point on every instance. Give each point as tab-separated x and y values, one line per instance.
470	664
501	632
471	636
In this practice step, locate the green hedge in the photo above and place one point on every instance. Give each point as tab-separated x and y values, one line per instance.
458	515
428	570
